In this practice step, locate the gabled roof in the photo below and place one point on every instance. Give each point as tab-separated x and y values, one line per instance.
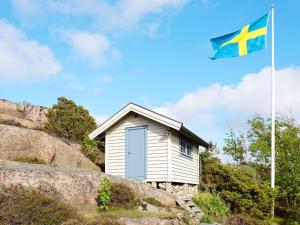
131	107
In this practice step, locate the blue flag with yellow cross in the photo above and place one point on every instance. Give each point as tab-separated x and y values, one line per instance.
250	38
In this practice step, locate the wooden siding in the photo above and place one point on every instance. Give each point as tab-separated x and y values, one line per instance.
183	168
157	145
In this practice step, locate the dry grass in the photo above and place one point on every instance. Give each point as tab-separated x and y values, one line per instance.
32	160
133	213
122	196
154	202
19	205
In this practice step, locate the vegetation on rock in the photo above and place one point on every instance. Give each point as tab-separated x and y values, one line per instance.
122	196
206	219
66	119
211	204
104	195
32	160
10	122
153	201
91	149
115	195
19	205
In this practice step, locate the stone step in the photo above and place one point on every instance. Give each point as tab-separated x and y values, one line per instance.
190	203
187	204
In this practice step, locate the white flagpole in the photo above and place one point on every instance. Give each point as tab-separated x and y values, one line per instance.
273	115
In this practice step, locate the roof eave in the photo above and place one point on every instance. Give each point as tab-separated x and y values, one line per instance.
194	137
131	107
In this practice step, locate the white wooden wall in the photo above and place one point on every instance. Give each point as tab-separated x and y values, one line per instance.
157	145
183	169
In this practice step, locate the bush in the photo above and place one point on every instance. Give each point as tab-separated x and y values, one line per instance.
186	218
206	219
104	194
211	204
68	120
19	205
90	149
115	195
32	160
122	196
239	186
291	216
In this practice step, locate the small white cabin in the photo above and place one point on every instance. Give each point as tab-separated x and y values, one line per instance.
142	144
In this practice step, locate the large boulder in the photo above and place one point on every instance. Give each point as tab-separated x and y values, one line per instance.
17	142
74	185
25	114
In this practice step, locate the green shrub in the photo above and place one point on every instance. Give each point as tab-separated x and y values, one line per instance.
239	186
32	160
291	216
115	195
186	218
104	197
89	148
122	196
154	202
19	205
206	219
68	120
211	204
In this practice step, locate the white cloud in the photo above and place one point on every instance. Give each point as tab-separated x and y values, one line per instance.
251	95
94	47
132	11
73	82
105	79
26	6
121	14
22	58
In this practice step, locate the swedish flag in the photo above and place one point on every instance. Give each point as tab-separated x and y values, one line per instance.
250	38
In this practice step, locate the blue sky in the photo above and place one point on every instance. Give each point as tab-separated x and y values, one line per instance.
104	54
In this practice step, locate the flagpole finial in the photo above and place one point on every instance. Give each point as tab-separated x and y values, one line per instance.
272	6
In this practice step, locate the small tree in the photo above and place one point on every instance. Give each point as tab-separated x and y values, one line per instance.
68	120
235	147
287	154
258	137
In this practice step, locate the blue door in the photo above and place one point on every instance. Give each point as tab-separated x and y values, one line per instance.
136	152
